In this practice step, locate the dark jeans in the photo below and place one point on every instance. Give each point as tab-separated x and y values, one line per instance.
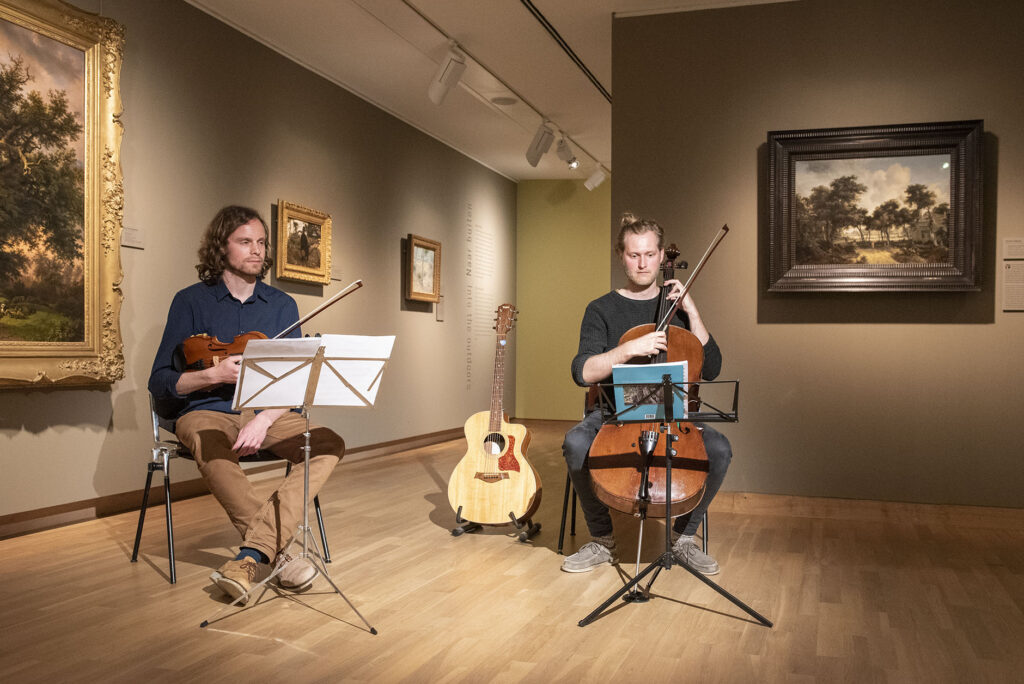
577	445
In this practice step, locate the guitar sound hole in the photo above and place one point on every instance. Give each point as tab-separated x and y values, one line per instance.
494	444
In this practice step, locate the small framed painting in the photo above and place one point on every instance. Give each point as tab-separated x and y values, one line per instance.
303	244
423	275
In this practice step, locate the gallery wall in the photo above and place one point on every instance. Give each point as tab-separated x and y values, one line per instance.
213	118
561	255
907	397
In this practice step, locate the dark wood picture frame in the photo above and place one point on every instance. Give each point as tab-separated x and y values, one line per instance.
820	241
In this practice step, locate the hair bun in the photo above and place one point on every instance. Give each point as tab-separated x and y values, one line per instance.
628	219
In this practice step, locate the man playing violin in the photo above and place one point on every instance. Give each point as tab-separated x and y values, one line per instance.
230	300
604	322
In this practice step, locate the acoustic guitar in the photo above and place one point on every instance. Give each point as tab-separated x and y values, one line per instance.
494	483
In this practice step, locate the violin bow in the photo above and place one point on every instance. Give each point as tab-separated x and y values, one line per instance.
693	276
352	287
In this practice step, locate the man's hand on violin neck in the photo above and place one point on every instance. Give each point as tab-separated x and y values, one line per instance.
647	345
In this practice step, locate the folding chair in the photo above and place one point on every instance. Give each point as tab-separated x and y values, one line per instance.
163	452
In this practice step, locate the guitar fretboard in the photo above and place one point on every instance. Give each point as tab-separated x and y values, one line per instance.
498	383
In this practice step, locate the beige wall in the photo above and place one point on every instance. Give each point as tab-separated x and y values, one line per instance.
561	249
211	117
911	397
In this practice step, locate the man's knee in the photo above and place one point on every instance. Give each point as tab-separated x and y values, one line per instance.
575	447
332	442
718	449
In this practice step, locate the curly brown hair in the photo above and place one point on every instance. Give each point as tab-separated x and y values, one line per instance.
636	225
213	248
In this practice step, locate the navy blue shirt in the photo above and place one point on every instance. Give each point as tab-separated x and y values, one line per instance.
211	309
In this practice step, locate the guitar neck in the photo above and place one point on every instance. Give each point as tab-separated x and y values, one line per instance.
498	383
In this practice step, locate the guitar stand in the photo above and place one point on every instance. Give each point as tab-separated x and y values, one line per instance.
307	538
630	593
526	527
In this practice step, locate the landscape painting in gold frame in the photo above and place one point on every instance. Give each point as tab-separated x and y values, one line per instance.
303	244
423	271
61	184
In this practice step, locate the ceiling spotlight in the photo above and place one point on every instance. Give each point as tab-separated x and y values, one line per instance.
595	179
566	155
448	74
541	143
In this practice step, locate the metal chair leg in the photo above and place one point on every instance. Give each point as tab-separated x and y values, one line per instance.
565	510
572	524
323	530
170	522
565	507
142	512
704	531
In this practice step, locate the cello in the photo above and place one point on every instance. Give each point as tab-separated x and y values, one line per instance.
627	460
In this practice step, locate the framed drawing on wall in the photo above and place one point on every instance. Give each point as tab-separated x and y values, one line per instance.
62	196
423	272
875	209
303	244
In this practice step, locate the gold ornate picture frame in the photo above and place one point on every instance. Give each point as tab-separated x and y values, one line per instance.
303	244
423	270
61	183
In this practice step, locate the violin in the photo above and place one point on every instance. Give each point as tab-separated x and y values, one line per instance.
203	351
623	453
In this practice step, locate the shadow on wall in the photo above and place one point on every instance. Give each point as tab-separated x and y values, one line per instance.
882	307
39	410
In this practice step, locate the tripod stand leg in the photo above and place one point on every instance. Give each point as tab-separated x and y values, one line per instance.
629	585
323	571
735	601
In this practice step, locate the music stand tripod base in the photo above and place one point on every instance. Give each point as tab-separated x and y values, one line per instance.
306	535
526	527
304	358
667	559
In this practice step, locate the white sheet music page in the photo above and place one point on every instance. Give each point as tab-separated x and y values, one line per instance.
353	369
275	373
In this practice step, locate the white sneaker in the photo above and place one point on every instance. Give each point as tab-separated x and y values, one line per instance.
688	553
589	557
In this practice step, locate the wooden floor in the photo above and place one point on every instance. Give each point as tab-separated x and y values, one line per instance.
858	591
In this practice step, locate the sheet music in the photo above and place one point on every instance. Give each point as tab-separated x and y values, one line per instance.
278	373
353	365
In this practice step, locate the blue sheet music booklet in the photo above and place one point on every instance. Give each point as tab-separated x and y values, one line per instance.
652	404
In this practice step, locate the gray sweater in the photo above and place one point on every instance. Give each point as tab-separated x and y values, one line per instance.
608	317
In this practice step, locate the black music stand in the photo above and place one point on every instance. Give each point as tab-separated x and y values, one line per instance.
333	370
646	444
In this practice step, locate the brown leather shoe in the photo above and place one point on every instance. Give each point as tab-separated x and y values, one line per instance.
236	577
296	574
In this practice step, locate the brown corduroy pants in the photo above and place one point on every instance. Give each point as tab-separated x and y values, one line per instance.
265	524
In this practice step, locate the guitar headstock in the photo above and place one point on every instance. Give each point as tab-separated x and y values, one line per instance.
505	318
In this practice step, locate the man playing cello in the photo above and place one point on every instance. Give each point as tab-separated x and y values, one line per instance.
640	246
232	299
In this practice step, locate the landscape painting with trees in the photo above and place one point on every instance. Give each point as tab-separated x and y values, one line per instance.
42	188
872	210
